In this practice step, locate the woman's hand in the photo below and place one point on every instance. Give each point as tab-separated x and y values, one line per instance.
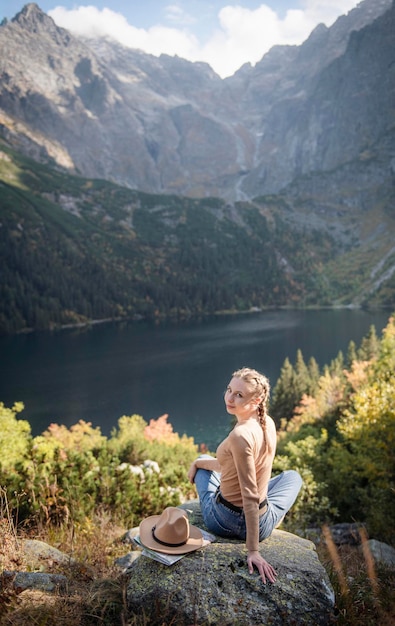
207	462
266	571
191	473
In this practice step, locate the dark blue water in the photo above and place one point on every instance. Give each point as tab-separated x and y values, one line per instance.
106	371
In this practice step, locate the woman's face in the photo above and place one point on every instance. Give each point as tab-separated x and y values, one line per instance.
240	400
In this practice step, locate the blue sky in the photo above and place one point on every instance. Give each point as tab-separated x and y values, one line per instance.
224	33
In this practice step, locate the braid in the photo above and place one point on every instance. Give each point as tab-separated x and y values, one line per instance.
262	413
261	386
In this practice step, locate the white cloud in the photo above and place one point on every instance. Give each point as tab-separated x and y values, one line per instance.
175	14
89	21
92	22
327	11
242	35
246	35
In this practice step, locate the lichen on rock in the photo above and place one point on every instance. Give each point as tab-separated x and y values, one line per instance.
213	585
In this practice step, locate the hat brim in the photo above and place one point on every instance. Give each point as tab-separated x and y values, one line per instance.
194	542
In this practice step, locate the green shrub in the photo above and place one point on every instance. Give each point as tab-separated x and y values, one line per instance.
341	439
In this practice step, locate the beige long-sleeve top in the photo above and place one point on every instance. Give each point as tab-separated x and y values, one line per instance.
246	459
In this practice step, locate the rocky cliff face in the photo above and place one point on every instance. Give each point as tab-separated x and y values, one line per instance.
333	97
167	125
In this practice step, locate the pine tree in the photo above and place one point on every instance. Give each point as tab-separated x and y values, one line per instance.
294	382
283	398
336	366
370	346
314	376
351	354
302	378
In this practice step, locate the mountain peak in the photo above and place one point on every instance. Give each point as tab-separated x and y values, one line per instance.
33	18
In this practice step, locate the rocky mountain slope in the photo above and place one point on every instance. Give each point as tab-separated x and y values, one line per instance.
132	185
170	126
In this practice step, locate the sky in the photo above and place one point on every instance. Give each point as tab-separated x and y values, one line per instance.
224	33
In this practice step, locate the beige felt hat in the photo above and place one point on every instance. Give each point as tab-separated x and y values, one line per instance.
170	532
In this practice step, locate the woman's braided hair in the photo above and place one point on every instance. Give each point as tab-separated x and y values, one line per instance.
260	386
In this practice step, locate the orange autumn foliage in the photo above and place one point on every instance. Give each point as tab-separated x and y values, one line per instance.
160	430
358	375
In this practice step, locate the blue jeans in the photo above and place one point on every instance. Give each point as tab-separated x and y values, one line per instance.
282	493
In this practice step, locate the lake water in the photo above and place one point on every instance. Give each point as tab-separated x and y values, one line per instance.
103	372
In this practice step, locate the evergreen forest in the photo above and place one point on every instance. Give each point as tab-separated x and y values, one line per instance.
74	250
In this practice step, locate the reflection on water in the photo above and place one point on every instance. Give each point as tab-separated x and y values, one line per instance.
106	371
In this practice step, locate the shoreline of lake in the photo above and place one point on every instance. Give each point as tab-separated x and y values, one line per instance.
187	318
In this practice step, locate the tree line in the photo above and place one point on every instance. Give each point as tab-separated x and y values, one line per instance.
164	257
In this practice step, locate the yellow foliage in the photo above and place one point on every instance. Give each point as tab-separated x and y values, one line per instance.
15	436
329	395
372	415
129	427
80	437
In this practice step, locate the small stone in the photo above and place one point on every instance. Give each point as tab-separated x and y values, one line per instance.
21	581
382	552
125	562
36	551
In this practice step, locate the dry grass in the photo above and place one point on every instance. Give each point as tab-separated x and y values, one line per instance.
364	591
97	591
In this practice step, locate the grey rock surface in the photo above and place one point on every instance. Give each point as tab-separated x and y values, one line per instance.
166	125
382	552
213	585
36	551
40	581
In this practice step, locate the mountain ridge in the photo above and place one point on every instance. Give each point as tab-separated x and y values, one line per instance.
166	125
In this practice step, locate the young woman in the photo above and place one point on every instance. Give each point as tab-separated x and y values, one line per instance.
238	497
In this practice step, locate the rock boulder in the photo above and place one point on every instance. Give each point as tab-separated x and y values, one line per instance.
213	585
